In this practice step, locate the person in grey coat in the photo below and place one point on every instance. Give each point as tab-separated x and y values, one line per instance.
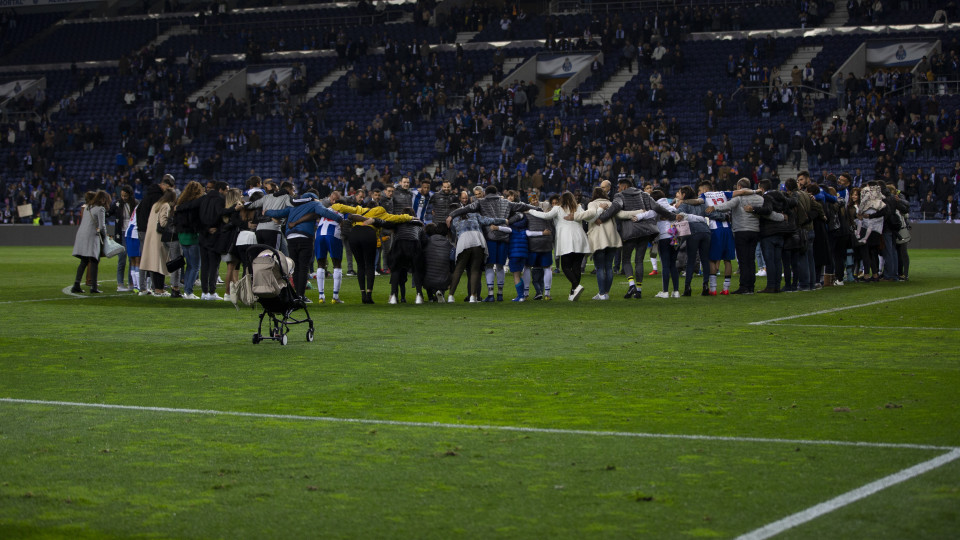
89	240
746	231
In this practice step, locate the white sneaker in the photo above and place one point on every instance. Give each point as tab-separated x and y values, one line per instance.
598	296
393	299
439	297
605	297
215	296
419	299
576	293
762	272
473	299
838	283
663	294
145	292
121	288
676	294
190	296
228	297
164	294
197	285
451	299
219	281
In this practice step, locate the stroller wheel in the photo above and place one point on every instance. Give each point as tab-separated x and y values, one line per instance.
256	339
283	339
310	335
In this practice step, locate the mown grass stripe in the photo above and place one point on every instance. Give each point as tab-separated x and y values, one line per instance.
521	429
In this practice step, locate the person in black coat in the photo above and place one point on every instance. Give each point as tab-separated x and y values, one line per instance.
211	209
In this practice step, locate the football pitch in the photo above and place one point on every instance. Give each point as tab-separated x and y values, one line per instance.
830	414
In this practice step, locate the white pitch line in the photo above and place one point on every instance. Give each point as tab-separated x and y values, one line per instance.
836	309
849	497
858	326
68	297
555	431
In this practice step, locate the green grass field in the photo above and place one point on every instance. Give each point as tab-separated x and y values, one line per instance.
624	419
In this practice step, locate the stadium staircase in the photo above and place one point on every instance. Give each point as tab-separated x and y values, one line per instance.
326	82
609	89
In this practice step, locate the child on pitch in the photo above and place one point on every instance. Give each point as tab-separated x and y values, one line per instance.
519	256
131	240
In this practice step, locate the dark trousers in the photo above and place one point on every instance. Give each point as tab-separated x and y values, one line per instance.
158	280
603	260
638	245
209	269
772	249
669	272
697	243
470	260
903	261
571	264
94	266
403	260
841	242
363	243
270	238
746	245
301	251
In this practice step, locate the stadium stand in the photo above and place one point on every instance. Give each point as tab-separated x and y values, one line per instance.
130	96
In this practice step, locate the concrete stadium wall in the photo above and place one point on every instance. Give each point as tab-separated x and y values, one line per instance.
925	235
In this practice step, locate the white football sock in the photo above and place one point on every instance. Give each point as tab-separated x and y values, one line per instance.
713	283
526	281
547	280
337	280
500	278
489	275
321	274
653	262
726	283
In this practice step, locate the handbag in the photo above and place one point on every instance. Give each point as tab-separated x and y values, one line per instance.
110	248
683	228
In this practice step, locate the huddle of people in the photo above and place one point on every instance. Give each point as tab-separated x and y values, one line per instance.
806	237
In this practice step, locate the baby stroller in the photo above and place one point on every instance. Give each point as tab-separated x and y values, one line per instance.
272	287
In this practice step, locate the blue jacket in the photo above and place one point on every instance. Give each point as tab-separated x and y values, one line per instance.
294	213
519	248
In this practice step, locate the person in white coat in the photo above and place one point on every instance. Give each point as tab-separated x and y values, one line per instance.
572	244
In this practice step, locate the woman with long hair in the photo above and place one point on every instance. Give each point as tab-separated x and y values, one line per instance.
89	240
572	243
231	225
186	217
605	241
154	254
121	210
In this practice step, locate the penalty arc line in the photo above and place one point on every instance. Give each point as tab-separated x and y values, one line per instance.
843	308
791	521
519	429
